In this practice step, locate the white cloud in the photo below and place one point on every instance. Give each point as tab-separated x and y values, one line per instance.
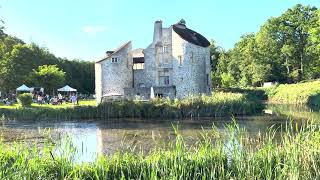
94	29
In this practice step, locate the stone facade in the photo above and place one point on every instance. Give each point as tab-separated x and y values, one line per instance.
175	64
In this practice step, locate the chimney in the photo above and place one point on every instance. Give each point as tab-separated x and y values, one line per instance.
157	34
109	53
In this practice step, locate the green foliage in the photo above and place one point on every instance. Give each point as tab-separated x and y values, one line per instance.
285	50
48	76
301	93
216	155
219	104
18	59
25	99
227	80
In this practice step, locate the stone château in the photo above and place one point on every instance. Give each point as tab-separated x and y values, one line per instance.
176	64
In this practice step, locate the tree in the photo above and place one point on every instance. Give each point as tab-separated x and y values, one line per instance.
285	49
314	47
215	52
227	80
18	59
1	27
289	34
16	65
48	76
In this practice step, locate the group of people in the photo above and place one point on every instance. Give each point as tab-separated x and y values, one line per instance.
42	98
8	99
55	100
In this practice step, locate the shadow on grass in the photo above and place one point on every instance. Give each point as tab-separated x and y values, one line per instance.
314	102
251	94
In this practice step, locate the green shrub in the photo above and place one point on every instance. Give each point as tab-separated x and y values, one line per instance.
25	99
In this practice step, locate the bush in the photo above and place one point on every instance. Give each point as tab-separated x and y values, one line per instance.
25	99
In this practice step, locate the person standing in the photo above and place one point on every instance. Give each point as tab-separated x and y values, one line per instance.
74	99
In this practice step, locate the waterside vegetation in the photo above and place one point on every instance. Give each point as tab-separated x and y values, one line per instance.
219	104
216	155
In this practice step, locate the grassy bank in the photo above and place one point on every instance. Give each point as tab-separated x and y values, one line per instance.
296	111
301	93
215	156
64	105
219	104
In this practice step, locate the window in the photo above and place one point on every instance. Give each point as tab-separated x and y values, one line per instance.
137	66
114	59
166	60
207	75
164	80
180	60
165	49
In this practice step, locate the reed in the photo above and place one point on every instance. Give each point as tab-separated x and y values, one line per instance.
216	155
219	104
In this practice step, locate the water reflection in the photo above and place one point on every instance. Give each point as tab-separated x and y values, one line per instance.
92	138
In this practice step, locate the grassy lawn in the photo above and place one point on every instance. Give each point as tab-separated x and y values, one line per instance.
64	105
300	93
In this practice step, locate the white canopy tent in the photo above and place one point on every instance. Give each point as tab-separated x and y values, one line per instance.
67	89
23	88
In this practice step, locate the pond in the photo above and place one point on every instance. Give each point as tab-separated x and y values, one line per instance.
94	137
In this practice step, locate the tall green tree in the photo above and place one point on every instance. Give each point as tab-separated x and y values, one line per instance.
285	49
289	34
48	76
18	59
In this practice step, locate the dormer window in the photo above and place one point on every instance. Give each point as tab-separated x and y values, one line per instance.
114	60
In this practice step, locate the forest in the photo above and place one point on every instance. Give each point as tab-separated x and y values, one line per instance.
19	60
286	49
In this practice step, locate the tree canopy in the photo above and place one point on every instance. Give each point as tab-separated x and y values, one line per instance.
18	59
48	76
286	49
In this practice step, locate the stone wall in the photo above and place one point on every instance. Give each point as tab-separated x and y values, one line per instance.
117	75
190	76
144	92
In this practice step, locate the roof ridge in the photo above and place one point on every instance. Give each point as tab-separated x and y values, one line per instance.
115	51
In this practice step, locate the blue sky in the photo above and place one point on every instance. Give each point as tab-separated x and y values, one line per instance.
86	29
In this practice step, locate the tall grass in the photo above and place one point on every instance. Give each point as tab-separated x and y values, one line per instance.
219	104
301	93
216	155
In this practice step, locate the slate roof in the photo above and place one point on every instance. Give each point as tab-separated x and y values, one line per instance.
190	35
